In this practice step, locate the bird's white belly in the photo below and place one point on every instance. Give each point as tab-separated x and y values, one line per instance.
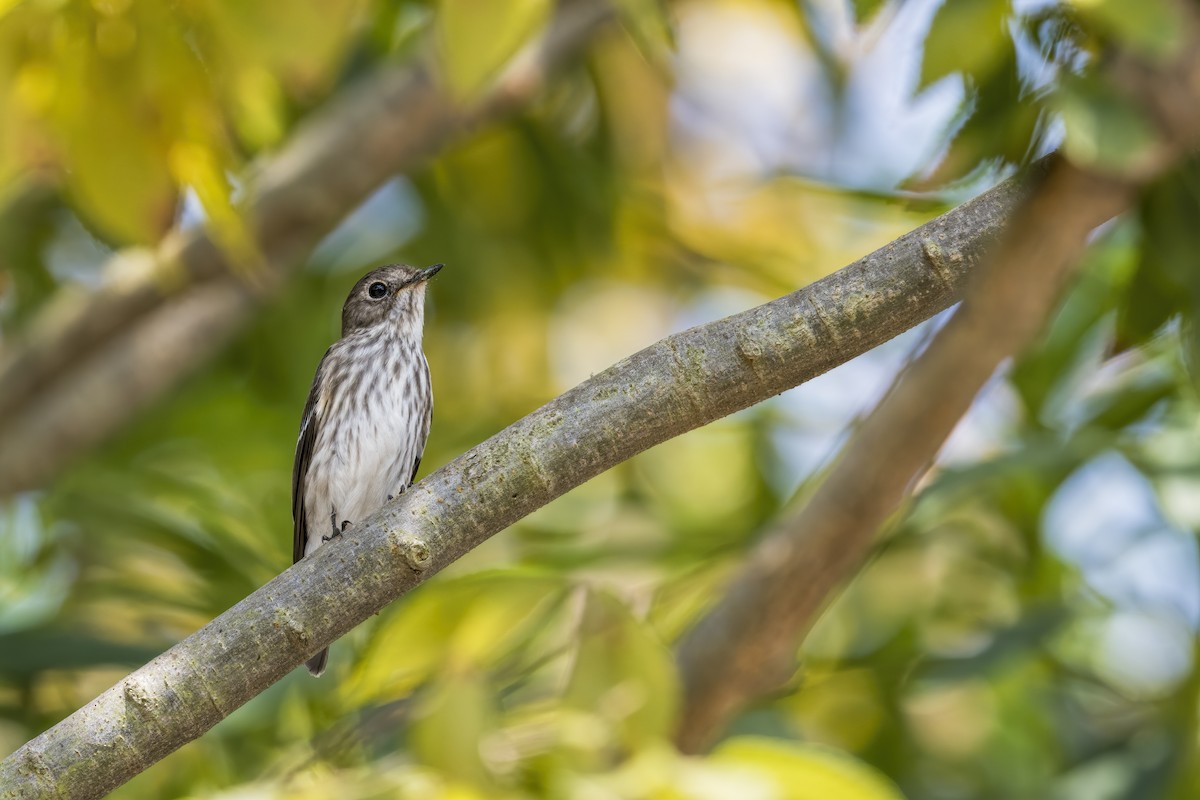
372	452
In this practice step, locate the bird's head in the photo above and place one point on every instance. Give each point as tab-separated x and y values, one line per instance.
393	295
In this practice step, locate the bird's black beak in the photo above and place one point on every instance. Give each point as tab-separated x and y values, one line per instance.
429	272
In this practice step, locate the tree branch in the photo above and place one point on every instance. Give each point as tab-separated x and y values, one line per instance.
107	351
745	647
676	385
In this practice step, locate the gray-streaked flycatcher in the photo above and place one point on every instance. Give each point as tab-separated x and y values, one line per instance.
368	413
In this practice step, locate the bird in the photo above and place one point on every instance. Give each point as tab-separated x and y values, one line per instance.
368	414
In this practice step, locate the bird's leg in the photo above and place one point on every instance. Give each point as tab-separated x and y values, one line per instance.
337	531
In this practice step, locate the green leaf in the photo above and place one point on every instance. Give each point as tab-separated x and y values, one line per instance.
1004	121
478	36
1105	130
623	673
1126	404
1170	237
27	225
865	9
1153	28
34	651
450	722
1150	301
958	22
1189	336
1166	281
1070	343
807	772
1023	640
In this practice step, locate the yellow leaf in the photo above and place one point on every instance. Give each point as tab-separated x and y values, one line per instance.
461	624
499	616
648	25
300	42
478	36
118	172
807	772
258	107
199	167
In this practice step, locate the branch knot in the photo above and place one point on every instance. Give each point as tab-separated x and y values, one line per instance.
416	554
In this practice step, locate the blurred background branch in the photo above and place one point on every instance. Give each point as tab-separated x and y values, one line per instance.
91	362
745	647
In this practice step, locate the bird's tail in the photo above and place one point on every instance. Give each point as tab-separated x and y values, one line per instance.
316	664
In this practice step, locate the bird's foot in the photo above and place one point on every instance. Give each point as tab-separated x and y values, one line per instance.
337	531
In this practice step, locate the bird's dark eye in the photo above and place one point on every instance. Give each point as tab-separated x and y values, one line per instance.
377	290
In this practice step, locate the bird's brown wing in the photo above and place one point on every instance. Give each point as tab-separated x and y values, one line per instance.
421	437
423	434
309	425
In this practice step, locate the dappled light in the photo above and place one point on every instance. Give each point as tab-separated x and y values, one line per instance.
1024	624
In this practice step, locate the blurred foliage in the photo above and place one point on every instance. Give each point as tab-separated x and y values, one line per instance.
129	104
1027	630
478	37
